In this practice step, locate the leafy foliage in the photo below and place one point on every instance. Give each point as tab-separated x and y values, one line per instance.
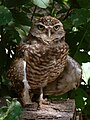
41	3
15	20
5	15
11	111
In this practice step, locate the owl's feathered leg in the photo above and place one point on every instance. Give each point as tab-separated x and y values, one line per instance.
42	102
26	96
41	96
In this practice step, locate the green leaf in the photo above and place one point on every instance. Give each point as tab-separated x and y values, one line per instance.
3	59
5	15
15	3
2	112
80	16
86	72
79	102
67	24
84	3
21	18
72	40
79	96
41	3
13	111
86	110
11	35
82	57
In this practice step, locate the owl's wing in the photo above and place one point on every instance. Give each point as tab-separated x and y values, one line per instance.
15	72
17	75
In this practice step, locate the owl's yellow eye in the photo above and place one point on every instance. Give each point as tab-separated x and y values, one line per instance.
56	27
40	27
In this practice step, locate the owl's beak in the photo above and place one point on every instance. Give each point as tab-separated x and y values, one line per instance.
49	32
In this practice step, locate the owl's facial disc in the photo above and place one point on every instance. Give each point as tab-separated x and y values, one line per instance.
47	29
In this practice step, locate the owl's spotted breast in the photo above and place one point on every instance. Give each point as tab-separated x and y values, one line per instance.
45	63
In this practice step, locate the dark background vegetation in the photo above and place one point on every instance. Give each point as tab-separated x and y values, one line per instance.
15	20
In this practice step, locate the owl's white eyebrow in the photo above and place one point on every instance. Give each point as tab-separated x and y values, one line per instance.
48	26
44	25
39	24
58	24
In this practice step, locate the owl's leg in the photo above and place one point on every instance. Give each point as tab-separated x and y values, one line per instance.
42	102
41	96
26	96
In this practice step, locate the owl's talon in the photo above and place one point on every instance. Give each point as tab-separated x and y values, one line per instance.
43	103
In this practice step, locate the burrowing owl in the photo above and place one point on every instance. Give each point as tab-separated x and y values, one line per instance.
40	58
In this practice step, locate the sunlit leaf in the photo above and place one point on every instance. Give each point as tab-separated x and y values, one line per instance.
11	111
41	3
86	71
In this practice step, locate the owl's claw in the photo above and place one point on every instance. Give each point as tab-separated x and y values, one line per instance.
43	103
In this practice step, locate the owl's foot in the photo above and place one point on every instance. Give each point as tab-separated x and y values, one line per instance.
42	102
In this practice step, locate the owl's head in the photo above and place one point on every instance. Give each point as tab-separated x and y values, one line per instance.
48	30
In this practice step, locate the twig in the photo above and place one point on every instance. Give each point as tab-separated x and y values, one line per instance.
67	14
33	13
